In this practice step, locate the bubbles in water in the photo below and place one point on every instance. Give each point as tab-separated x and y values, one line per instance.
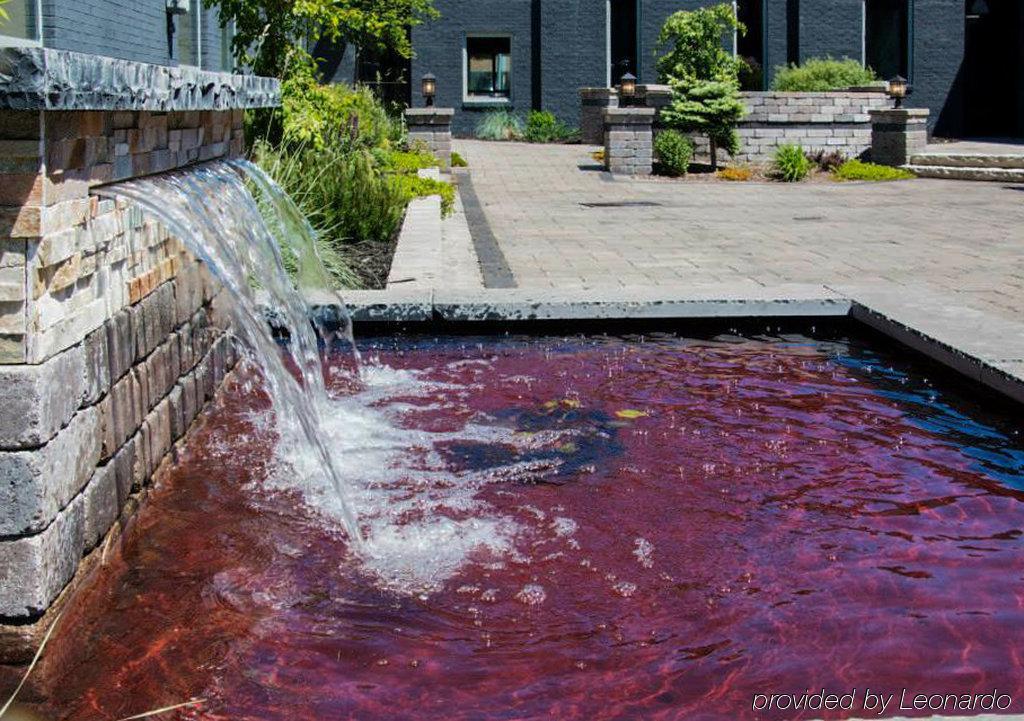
532	594
624	589
644	552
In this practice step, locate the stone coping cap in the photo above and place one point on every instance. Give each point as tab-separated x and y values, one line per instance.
424	113
35	78
601	92
895	114
653	88
630	115
844	93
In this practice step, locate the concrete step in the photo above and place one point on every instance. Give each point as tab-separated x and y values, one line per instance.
960	172
969	160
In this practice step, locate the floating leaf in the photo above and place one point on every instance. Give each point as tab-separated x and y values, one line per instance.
630	414
563	403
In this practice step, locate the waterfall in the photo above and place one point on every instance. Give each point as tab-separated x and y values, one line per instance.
209	208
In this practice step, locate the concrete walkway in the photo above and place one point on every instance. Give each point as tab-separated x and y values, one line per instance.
561	223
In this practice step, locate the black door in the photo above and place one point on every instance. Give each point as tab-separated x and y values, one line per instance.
992	73
623	35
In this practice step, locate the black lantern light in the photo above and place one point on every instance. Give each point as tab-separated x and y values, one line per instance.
429	88
627	88
899	89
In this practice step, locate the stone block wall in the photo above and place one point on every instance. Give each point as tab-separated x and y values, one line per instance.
830	121
628	140
432	127
111	337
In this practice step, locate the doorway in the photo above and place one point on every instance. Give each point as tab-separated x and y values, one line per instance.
993	82
622	39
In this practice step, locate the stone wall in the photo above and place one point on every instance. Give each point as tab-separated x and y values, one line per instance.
830	121
111	336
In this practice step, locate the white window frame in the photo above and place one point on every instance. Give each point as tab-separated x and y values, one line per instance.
10	41
480	100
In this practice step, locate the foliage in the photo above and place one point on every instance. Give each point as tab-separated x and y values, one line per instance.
458	161
738	173
346	199
827	161
269	34
859	170
499	125
791	165
4	17
820	74
413	186
674	151
543	127
703	75
330	115
598	155
405	162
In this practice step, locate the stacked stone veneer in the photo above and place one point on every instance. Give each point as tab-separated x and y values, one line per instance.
830	121
111	337
628	140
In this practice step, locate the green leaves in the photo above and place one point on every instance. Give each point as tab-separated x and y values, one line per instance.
268	33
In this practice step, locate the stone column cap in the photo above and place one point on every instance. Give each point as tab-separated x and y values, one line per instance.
652	89
896	115
639	116
430	116
598	92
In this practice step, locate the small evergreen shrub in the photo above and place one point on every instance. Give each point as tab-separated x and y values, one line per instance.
499	125
458	161
859	170
791	165
736	173
674	151
820	74
413	186
544	127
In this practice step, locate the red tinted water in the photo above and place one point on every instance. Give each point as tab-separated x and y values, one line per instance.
747	517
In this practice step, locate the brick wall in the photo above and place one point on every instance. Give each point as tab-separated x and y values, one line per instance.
134	30
110	331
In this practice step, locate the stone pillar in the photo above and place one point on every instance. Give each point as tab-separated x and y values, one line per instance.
629	140
433	128
111	332
898	134
593	102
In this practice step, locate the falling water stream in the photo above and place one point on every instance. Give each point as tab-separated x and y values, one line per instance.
213	213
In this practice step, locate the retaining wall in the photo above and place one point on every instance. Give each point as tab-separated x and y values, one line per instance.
111	332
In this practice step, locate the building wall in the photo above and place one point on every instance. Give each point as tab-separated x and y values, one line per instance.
134	30
573	45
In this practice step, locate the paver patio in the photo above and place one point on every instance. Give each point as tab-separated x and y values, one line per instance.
961	239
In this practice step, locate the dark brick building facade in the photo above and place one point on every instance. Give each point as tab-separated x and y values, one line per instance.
951	49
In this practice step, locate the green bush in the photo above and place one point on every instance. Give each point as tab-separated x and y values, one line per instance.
674	151
404	162
348	201
499	125
859	170
458	161
413	186
819	74
791	165
544	127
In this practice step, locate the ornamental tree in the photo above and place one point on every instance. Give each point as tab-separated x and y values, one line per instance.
703	75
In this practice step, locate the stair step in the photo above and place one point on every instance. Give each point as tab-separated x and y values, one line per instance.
968	160
954	172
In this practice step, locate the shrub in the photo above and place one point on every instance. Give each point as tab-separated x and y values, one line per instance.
458	161
791	165
826	160
703	75
859	170
499	125
544	127
674	151
404	162
413	186
819	74
736	173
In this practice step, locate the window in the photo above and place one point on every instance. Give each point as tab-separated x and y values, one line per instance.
186	32
22	24
885	37
488	67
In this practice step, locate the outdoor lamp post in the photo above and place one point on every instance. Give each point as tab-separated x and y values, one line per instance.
899	89
627	89
429	88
